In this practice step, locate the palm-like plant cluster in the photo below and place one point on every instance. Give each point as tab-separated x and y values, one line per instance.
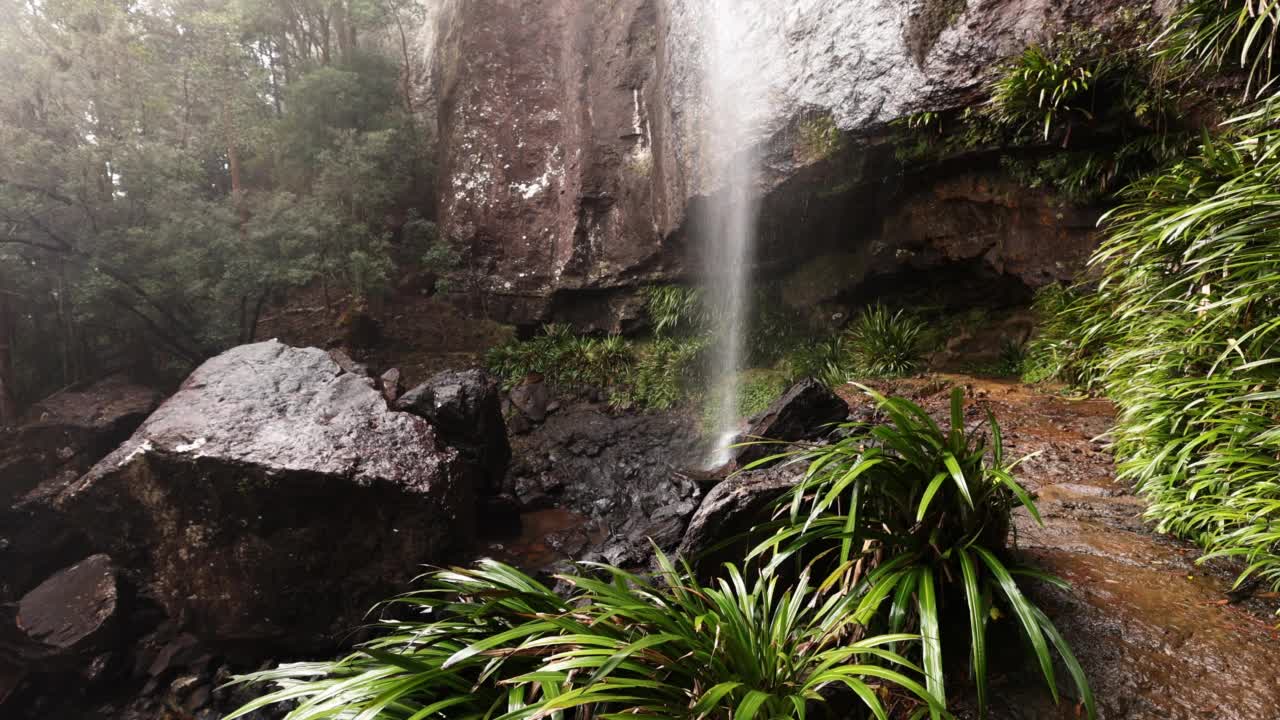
1184	333
564	358
879	342
885	343
1042	90
911	516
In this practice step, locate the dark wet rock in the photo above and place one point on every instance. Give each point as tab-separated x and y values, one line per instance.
64	434
804	412
465	407
360	329
60	438
274	498
391	387
532	399
622	471
730	510
74	610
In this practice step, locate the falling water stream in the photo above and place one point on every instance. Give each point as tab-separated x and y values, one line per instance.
731	213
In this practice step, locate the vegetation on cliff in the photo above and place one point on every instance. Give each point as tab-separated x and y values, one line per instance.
1176	318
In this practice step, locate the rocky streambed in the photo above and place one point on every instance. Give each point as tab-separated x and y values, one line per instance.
257	513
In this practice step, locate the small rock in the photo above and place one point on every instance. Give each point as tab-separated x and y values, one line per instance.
532	399
348	365
74	609
391	387
518	424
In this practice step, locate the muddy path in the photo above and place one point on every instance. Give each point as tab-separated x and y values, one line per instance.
1159	635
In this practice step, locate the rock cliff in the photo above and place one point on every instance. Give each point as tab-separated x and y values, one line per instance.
573	143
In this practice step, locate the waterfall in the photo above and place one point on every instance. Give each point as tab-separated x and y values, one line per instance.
731	212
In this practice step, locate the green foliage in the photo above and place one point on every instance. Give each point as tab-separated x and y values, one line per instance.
657	375
826	361
674	309
1210	36
1107	84
172	168
819	138
564	358
758	390
1183	334
495	643
912	517
1042	90
666	373
884	343
878	343
1068	346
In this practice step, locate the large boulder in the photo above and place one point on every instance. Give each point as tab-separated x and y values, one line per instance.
719	531
275	497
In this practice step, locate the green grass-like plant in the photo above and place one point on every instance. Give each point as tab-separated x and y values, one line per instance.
913	517
1211	36
1043	90
490	642
884	343
675	309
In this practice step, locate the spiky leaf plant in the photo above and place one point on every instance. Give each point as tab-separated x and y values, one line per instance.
1210	36
1042	89
493	643
1184	334
911	516
884	343
675	309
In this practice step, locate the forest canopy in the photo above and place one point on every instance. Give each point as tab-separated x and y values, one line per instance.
172	166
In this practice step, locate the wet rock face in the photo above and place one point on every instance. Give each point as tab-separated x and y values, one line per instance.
548	164
574	155
466	408
624	473
803	412
275	497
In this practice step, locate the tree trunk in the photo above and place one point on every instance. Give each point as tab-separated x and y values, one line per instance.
8	381
237	186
